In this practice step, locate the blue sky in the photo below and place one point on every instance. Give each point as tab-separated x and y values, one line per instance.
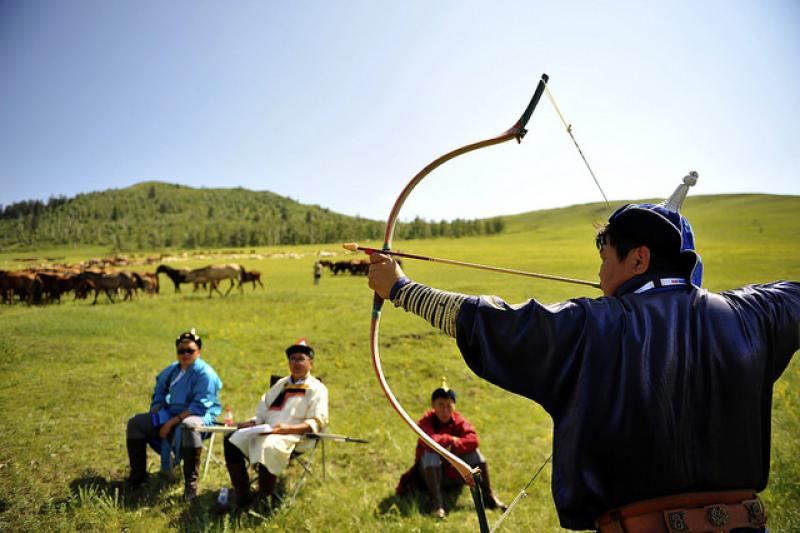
340	103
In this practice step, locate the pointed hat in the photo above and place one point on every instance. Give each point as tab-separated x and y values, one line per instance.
666	215
300	346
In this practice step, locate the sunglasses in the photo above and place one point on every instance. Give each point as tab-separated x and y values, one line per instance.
184	351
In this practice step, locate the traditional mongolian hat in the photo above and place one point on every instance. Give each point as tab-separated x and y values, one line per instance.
301	346
444	391
190	335
665	221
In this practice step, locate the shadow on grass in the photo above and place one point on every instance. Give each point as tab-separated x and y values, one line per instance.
91	485
418	502
94	494
201	514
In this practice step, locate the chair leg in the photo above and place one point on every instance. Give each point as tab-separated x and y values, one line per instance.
209	455
306	464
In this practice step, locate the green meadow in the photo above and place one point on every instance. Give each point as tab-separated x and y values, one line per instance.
72	374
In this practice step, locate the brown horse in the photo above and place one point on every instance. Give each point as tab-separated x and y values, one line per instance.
25	284
108	282
147	281
56	283
253	276
213	274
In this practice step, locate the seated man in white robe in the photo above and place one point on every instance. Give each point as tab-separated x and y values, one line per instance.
294	405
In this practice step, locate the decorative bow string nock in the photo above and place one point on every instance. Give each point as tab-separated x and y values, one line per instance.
470	475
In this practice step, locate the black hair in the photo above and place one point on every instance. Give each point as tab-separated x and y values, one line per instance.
443	393
643	229
300	348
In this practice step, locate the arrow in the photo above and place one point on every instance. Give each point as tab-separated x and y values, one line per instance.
354	247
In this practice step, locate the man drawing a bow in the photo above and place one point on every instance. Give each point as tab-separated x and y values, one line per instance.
660	391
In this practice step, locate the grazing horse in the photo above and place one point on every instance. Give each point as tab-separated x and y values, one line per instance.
177	276
147	281
359	266
215	273
254	276
108	282
338	266
151	284
26	284
55	283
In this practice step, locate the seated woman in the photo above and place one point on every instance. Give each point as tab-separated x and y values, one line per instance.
187	394
454	432
294	405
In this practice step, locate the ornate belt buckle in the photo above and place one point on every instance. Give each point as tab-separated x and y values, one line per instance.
717	515
756	512
676	520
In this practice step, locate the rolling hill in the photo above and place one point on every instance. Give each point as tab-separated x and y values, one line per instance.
155	215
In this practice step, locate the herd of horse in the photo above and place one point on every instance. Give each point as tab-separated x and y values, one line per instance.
355	267
43	286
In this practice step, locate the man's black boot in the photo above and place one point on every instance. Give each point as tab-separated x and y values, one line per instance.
191	471
137	456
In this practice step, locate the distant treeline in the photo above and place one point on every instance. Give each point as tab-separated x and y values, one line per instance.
154	215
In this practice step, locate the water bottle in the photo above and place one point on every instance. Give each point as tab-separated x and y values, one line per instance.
228	420
222	499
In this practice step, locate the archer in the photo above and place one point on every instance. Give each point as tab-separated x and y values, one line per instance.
660	391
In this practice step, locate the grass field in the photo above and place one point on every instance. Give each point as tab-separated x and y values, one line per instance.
72	374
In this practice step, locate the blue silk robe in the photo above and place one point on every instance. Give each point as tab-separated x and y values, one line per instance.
197	391
651	394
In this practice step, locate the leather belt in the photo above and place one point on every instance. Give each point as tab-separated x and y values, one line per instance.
695	512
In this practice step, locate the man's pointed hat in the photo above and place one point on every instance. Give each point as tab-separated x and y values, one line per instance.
301	346
444	391
666	215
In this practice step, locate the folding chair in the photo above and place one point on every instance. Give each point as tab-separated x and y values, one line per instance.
305	458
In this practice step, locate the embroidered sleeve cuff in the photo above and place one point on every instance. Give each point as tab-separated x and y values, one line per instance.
313	424
440	308
399	284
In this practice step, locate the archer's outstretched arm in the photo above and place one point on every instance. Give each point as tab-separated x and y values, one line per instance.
439	308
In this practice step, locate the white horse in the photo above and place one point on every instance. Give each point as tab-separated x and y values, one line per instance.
212	274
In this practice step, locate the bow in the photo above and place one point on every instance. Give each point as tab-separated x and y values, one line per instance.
471	476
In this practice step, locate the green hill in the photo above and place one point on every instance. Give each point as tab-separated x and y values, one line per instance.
154	215
714	216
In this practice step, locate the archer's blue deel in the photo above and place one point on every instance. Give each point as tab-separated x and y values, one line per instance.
668	212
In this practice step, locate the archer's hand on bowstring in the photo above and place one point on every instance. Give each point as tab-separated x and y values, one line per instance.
383	274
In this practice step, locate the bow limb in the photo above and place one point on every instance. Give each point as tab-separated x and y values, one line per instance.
517	131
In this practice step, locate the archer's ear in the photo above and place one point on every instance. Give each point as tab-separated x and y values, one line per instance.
641	259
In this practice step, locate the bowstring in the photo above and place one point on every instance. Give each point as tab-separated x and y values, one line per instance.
522	493
568	127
